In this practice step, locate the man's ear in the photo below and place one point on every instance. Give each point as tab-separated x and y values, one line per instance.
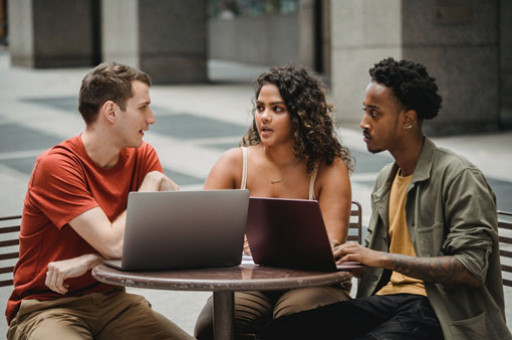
109	111
410	118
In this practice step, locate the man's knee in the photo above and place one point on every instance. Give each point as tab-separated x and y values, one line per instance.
52	324
298	300
131	317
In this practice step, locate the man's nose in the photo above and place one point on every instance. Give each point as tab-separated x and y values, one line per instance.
363	124
151	117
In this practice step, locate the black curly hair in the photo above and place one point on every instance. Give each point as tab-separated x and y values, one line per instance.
304	97
411	84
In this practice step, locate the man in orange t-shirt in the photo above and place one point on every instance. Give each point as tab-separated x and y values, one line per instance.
74	216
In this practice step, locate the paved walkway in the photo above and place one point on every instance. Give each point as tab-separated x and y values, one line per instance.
195	125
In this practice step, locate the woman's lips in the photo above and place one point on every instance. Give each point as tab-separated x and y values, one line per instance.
265	131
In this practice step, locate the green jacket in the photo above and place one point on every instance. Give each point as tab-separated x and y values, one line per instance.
450	210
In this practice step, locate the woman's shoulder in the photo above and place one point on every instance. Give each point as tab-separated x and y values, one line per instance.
227	170
336	165
235	155
336	170
231	156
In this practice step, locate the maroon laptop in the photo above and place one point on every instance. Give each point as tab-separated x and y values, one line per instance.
290	233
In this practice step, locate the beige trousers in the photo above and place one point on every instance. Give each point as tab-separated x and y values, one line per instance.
254	309
100	316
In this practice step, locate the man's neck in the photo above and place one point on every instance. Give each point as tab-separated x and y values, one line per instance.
406	156
100	147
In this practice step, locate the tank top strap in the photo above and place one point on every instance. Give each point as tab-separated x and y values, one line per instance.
243	185
312	183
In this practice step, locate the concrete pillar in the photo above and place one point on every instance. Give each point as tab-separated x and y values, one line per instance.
165	38
326	37
456	39
3	21
52	33
506	63
363	31
306	33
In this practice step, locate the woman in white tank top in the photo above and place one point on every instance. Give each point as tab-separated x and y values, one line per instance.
290	151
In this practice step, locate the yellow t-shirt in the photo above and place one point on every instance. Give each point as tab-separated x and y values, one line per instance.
400	240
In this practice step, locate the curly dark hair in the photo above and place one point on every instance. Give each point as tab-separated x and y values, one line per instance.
304	97
411	84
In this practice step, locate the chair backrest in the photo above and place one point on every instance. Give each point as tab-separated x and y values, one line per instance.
355	227
505	236
9	247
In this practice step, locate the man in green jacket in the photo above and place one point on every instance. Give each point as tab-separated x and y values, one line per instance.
432	255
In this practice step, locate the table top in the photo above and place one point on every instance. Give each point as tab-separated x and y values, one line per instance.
243	277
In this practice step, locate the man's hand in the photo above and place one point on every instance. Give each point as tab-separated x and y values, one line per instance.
446	270
157	181
351	251
59	271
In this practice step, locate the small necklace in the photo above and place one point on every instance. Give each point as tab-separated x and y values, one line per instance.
279	180
274	181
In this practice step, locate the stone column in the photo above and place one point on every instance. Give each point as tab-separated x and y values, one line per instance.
506	63
51	33
326	38
456	39
165	38
306	33
363	31
458	42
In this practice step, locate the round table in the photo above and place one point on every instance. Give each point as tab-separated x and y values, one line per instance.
223	282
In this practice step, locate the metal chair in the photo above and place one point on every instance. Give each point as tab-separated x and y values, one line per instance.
505	237
9	247
355	227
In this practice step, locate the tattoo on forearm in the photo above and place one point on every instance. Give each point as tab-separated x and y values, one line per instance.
445	270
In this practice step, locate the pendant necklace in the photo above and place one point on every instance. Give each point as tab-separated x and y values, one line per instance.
274	181
279	180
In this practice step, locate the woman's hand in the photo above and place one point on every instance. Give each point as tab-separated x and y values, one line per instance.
59	271
247	250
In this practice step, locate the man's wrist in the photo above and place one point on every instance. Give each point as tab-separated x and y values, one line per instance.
92	260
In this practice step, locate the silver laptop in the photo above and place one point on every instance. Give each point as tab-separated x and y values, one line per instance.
184	229
290	233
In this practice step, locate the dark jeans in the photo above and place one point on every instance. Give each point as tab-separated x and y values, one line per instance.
396	317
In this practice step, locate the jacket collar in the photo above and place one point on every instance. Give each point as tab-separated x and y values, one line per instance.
422	171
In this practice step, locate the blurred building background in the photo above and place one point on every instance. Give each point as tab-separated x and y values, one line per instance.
466	44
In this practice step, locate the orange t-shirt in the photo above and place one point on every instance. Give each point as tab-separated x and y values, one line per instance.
66	182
